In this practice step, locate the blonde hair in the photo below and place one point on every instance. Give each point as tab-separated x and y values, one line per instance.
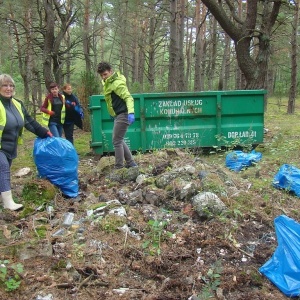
6	79
66	85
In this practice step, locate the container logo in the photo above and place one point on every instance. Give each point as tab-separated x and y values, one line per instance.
241	134
178	107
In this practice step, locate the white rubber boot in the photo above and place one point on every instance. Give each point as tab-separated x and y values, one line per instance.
8	201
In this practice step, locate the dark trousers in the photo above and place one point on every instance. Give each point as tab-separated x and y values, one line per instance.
121	149
68	130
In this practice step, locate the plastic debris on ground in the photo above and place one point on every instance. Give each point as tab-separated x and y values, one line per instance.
288	178
47	297
283	268
237	160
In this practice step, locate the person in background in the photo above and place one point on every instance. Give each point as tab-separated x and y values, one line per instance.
74	113
53	109
13	119
120	105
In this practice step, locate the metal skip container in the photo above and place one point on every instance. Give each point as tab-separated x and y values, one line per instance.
184	120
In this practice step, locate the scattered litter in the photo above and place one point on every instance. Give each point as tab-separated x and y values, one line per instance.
121	291
59	232
237	160
69	265
284	266
48	297
89	212
131	233
244	259
288	178
50	211
140	179
120	211
23	172
68	219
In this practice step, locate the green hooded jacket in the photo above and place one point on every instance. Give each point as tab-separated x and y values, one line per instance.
116	95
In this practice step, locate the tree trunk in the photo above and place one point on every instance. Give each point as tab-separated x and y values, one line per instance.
212	54
151	67
180	69
85	34
199	46
52	55
294	66
173	50
224	73
48	42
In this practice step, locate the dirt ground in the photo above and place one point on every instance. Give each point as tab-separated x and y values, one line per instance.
216	258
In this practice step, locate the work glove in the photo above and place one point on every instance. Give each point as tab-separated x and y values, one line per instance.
131	118
49	134
51	113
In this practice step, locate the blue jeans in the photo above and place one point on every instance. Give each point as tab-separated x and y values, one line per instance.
56	129
5	164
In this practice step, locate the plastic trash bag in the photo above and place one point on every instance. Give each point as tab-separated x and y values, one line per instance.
237	160
283	268
288	178
56	160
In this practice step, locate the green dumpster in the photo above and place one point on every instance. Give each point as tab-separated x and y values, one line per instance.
184	120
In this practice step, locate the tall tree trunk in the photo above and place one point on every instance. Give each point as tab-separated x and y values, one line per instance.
227	54
151	66
85	33
180	70
48	42
189	44
67	76
294	66
224	73
200	46
212	54
173	50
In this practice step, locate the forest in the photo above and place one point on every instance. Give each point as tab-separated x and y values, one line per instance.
159	45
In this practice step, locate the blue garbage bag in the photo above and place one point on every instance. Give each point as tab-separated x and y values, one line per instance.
283	268
288	178
56	160
237	160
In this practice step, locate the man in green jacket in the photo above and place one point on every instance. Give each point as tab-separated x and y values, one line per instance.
120	105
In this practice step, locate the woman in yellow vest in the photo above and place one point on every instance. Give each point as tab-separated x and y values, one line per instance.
54	110
13	119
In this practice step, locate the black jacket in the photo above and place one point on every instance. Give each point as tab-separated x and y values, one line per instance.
13	126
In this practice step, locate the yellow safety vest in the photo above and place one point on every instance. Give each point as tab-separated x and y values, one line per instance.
46	117
18	105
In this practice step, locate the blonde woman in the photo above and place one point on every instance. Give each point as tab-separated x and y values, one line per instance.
13	119
74	112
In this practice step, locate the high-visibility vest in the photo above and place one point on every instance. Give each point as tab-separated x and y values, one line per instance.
18	105
46	117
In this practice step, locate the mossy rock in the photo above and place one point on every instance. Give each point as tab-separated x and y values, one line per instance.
38	192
